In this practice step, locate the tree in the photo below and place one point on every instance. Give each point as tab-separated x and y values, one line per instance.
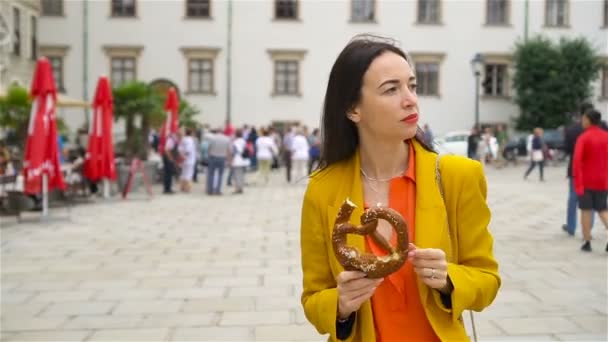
136	101
552	79
187	112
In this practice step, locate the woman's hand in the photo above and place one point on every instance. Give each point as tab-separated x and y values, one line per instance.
431	266
353	290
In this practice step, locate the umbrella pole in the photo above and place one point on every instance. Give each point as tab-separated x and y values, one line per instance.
45	195
106	188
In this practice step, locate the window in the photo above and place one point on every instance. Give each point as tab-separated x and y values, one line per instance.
200	76
56	55
497	12
34	40
495	80
605	13
286	9
57	65
427	78
122	70
123	8
16	32
198	8
605	81
286	78
52	7
428	12
556	13
362	10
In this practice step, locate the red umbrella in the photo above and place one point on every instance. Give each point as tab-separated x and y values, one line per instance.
99	162
41	149
171	124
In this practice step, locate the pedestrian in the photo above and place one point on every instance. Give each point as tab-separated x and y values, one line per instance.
571	135
537	153
266	151
170	154
187	150
299	155
590	171
218	152
240	161
375	155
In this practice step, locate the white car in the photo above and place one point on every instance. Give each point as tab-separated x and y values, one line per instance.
455	142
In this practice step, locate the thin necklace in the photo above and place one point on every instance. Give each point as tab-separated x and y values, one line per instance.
378	179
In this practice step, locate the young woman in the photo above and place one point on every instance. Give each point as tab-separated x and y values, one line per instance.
374	154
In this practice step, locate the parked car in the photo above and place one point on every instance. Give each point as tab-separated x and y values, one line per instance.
455	142
518	145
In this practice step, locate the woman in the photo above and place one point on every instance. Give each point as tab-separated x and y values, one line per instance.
266	151
374	153
537	148
299	155
239	162
187	151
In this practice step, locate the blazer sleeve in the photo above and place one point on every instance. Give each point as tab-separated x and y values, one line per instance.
319	295
475	274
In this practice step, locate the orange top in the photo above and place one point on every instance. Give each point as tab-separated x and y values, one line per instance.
398	312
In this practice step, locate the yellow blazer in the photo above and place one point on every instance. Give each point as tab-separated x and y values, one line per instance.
467	243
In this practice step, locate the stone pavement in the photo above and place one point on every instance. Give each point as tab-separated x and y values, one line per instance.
198	268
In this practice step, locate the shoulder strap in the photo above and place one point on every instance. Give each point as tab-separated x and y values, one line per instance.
440	185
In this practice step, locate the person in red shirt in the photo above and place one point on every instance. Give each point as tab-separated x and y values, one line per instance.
590	170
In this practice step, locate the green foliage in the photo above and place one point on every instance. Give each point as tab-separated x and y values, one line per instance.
15	110
187	112
552	79
136	102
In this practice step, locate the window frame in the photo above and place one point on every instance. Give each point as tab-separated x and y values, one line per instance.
44	13
201	71
421	58
58	52
439	11
33	38
566	22
296	17
200	53
278	56
114	14
17	32
353	19
188	3
507	13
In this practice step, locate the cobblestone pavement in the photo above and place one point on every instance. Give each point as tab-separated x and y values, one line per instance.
198	268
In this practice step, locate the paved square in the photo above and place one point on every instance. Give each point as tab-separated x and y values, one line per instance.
199	268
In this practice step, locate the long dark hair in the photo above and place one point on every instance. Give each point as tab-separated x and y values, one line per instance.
339	134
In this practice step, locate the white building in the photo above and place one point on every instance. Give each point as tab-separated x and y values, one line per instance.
282	50
18	41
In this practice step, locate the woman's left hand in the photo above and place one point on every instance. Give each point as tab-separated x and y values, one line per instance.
431	266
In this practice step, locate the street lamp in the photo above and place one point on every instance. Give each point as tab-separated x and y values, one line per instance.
477	65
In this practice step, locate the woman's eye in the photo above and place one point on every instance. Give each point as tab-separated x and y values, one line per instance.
391	90
413	87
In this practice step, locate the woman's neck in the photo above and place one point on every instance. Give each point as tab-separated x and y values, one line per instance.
383	160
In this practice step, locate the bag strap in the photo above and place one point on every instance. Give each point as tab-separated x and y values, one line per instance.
440	185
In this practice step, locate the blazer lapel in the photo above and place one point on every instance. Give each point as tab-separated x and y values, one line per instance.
431	215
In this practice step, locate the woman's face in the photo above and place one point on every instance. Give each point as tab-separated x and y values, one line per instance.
388	107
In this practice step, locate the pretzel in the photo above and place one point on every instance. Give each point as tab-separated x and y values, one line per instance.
373	266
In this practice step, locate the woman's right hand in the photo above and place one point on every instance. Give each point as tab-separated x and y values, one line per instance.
353	290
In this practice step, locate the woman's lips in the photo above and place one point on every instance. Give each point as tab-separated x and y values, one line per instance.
412	118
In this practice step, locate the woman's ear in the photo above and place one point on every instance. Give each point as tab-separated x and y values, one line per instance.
353	115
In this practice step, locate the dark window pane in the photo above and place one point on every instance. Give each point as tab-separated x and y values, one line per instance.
363	10
428	11
16	32
198	8
123	8
52	7
286	9
497	12
123	70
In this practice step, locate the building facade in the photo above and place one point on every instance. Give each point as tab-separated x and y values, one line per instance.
277	54
18	41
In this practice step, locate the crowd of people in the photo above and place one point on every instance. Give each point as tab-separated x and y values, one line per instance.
243	152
